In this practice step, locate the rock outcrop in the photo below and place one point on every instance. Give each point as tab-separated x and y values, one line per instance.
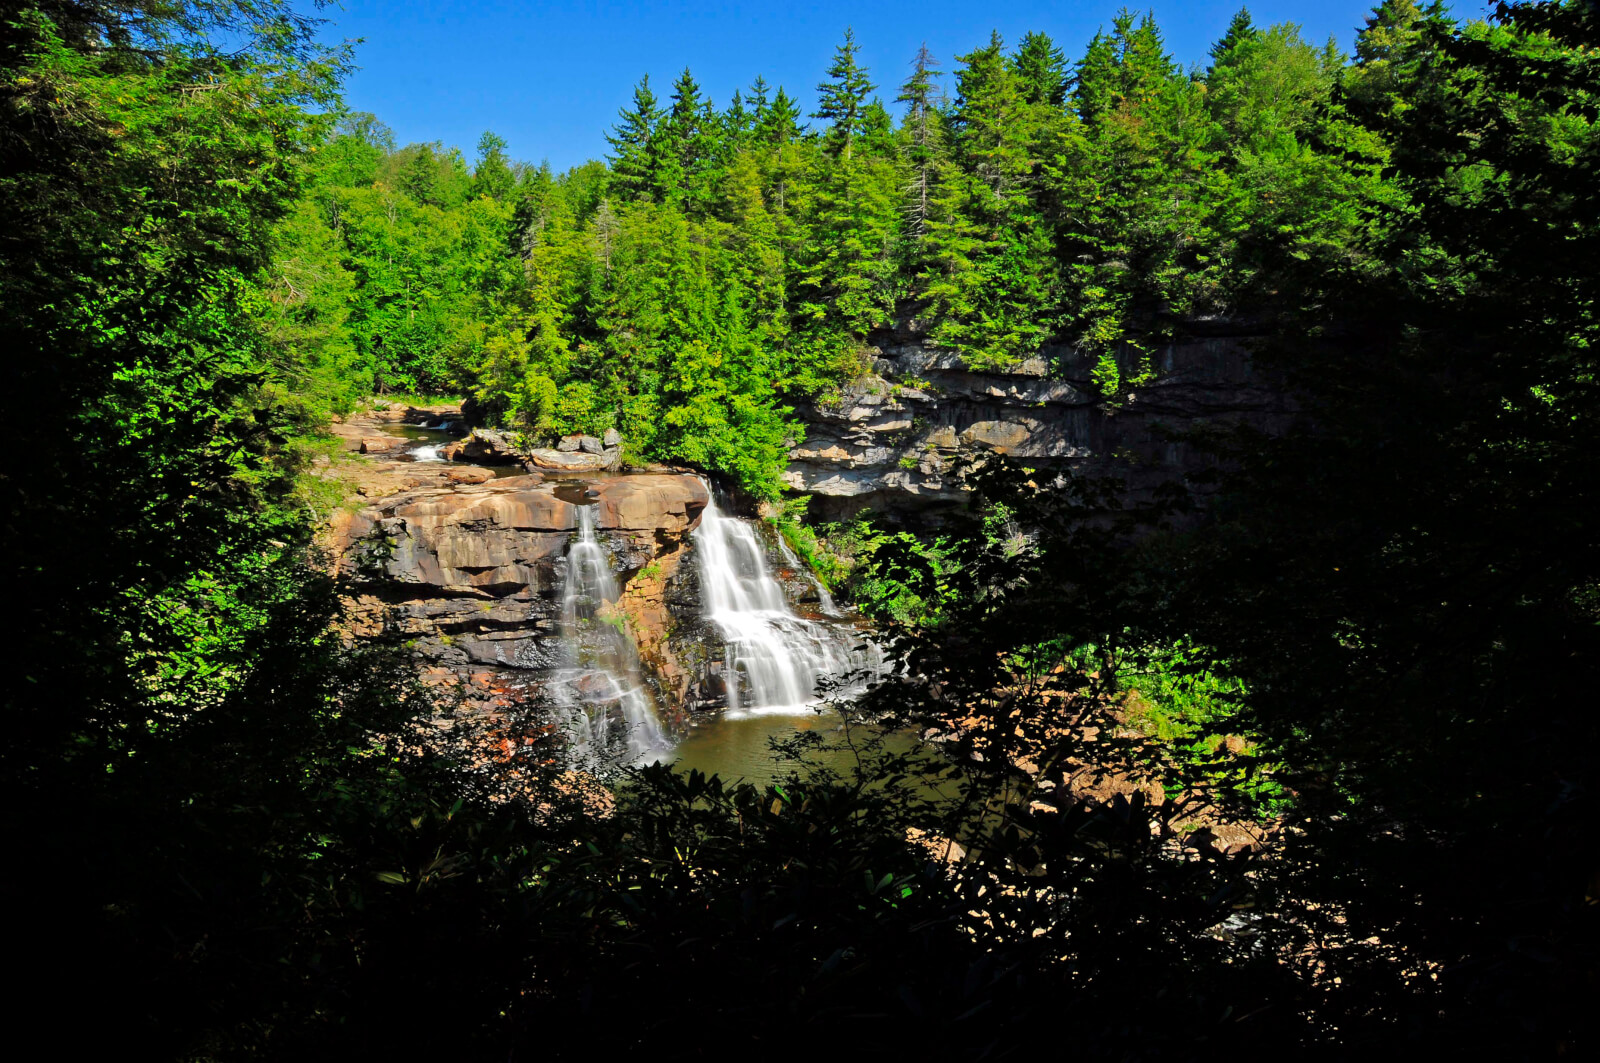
888	441
574	454
387	468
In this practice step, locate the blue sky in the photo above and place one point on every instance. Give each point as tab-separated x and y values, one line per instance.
550	77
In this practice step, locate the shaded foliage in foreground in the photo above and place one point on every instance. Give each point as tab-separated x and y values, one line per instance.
232	844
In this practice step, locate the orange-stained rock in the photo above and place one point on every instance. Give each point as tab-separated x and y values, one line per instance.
504	536
650	502
464	569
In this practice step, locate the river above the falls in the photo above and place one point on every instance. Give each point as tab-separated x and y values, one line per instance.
423	445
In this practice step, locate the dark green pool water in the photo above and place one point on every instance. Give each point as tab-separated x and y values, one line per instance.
740	747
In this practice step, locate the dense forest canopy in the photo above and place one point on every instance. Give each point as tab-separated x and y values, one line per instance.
729	261
230	843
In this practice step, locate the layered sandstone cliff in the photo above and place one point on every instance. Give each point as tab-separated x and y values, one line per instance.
888	440
471	575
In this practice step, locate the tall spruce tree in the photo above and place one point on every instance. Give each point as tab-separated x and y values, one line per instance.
1240	30
737	121
842	98
633	144
924	138
1094	80
1041	70
683	140
1382	46
492	175
988	117
757	99
780	122
1146	67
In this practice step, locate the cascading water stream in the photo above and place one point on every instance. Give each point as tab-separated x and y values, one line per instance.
599	688
824	599
427	452
775	659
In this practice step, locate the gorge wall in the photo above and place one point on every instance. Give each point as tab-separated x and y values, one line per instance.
469	566
887	442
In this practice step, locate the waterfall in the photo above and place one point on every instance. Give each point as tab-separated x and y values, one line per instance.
775	659
598	689
824	599
427	452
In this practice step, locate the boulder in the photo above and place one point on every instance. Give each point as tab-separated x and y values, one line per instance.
654	503
590	445
545	458
472	474
379	444
612	438
484	446
569	444
1004	436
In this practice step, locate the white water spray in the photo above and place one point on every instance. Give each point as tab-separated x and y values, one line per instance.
427	452
775	659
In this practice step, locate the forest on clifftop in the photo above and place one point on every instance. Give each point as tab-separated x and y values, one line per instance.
727	261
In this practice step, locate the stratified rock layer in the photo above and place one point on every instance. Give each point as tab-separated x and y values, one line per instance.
888	441
471	575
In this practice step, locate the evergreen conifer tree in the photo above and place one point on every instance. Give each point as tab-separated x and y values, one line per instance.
492	175
632	142
923	137
1094	81
780	121
988	117
1381	48
1146	66
757	99
737	122
681	138
842	98
1041	70
1240	30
